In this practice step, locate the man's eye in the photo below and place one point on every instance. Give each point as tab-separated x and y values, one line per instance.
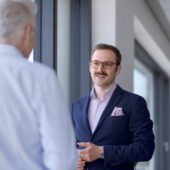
96	63
107	64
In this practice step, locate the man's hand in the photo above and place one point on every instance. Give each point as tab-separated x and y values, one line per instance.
80	164
91	151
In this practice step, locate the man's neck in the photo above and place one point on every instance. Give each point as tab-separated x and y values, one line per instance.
100	91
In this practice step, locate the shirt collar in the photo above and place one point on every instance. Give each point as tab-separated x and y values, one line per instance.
9	50
107	94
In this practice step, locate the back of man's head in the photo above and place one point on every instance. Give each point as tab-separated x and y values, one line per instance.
14	16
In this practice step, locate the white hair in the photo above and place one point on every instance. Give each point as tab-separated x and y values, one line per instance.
14	16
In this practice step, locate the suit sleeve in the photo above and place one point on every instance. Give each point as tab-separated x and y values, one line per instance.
71	112
72	118
142	139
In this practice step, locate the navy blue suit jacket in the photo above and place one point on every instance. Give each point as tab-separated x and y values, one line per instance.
126	139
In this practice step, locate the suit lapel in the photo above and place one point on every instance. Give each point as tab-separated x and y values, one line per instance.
85	115
115	98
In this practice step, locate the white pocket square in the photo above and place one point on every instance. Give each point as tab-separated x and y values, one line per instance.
117	111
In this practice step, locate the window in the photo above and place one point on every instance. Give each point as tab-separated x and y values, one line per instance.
143	86
31	57
45	51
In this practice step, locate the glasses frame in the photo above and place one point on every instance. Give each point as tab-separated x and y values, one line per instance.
102	63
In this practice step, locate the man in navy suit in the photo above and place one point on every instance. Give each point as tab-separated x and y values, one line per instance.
113	126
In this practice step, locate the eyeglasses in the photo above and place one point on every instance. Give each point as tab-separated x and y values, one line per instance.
106	64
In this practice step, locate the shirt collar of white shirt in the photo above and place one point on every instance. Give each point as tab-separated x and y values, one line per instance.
106	95
9	50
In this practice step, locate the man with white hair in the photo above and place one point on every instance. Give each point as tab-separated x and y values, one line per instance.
36	132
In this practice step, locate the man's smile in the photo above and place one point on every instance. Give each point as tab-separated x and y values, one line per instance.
101	74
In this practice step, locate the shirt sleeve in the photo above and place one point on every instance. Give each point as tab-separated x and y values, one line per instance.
55	126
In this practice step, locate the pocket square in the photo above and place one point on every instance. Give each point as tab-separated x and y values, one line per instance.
117	111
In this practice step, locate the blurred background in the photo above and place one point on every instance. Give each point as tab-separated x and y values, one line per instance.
67	31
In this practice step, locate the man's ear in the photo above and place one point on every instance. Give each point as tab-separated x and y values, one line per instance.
118	69
27	31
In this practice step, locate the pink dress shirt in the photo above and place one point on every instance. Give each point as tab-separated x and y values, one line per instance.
97	106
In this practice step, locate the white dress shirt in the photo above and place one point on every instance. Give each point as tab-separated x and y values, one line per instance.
97	106
36	132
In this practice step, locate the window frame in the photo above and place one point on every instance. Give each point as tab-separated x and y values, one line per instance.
45	49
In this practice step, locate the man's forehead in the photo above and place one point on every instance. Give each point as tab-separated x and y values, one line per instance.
104	54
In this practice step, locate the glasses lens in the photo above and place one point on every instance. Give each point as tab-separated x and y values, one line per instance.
107	65
95	64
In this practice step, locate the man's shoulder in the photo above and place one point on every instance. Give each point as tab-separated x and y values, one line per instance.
39	69
130	96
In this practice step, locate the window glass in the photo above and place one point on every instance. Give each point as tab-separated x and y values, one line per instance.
141	83
31	57
143	86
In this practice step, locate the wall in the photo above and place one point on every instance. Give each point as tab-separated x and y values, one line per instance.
114	22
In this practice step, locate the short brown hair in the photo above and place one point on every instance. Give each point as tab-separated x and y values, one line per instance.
102	46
